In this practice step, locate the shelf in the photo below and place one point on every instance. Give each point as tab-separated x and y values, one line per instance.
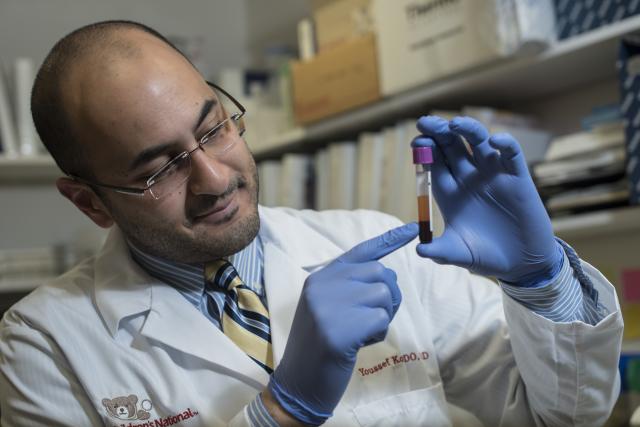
16	286
25	170
599	223
583	59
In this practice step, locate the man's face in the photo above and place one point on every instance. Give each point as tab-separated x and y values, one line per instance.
154	107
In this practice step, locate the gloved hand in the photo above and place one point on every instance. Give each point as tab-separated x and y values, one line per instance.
495	222
344	306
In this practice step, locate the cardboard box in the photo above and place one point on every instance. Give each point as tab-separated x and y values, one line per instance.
423	40
335	80
338	21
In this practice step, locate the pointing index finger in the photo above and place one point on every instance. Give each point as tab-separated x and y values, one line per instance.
380	246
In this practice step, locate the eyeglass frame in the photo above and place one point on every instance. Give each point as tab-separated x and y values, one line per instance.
138	191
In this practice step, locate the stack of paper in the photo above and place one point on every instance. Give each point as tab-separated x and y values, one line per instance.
584	170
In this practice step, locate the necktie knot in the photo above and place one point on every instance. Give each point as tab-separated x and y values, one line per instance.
221	274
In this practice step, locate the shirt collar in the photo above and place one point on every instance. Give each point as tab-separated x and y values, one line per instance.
188	279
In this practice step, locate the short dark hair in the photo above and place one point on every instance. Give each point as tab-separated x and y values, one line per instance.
47	107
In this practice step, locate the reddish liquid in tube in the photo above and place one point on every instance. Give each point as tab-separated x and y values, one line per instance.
424	220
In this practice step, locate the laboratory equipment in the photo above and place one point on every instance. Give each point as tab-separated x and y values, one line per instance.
423	158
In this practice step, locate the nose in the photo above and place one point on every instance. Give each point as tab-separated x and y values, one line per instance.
209	176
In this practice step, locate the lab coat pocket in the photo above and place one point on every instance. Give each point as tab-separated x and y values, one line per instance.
424	407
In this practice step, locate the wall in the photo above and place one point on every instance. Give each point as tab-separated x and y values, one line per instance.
268	26
36	215
29	28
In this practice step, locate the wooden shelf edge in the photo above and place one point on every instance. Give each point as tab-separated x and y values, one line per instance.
28	170
39	160
598	223
19	285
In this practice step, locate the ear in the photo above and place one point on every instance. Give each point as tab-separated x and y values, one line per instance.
86	200
107	404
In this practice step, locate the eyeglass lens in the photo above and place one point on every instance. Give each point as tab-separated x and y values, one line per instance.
174	174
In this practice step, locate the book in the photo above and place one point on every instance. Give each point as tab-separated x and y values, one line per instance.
392	171
269	175
294	177
370	170
322	180
23	75
406	205
8	137
342	164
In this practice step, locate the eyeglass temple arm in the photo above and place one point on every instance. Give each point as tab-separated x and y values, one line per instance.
125	190
235	101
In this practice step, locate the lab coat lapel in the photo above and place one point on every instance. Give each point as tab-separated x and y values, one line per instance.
284	280
123	289
292	250
174	322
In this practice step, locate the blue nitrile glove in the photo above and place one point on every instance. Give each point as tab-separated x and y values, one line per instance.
344	306
495	222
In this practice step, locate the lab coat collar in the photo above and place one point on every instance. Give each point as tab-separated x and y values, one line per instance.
296	238
122	288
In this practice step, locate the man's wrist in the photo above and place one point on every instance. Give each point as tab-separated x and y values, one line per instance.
277	412
545	275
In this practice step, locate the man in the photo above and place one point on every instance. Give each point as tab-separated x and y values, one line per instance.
203	309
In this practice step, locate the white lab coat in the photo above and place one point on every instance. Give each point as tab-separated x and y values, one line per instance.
456	346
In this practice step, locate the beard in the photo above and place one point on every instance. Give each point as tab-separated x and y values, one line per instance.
203	244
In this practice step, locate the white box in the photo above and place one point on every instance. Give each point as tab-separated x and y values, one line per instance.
423	40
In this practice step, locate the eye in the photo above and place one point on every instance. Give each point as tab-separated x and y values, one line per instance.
211	134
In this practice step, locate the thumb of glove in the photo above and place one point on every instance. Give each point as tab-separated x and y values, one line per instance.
447	249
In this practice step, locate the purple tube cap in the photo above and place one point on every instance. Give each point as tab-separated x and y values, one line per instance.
422	155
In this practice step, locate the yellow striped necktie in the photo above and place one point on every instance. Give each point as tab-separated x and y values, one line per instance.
245	319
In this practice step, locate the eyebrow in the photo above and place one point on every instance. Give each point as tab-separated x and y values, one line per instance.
152	152
204	112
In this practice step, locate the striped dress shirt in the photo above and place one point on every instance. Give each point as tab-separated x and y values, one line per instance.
188	279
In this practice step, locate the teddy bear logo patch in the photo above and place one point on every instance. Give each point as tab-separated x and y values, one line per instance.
126	408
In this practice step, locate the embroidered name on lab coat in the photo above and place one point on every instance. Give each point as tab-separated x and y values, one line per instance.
397	359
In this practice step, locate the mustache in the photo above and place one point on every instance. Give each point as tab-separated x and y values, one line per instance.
205	203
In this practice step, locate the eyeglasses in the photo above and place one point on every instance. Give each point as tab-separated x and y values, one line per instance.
176	171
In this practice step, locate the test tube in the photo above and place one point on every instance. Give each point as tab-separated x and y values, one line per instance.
423	158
